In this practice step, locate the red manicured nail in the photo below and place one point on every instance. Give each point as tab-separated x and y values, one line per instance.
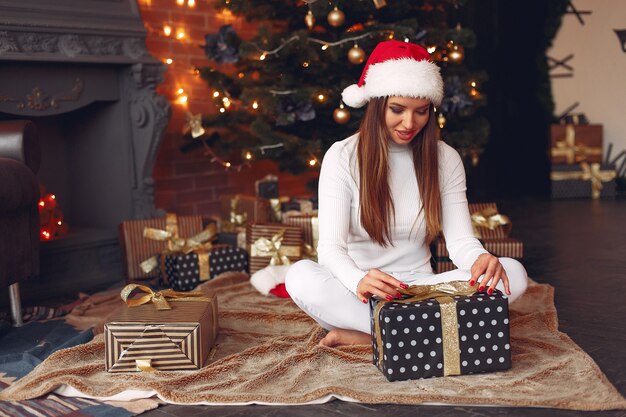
364	301
404	286
388	297
398	295
490	291
472	283
481	289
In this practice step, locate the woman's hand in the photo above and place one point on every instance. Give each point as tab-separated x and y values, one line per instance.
376	282
493	271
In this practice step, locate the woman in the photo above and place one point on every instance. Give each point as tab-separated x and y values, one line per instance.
384	194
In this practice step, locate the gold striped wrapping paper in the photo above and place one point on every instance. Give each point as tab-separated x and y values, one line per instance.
177	339
136	248
308	223
505	247
292	242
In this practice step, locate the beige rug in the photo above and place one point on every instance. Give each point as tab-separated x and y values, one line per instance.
267	353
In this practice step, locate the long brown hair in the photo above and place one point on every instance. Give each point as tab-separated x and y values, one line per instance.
375	197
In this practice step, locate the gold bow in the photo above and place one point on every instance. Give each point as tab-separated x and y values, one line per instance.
443	294
200	243
570	150
309	252
279	254
237	219
490	219
589	172
159	298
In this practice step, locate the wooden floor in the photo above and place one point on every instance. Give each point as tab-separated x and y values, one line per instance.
579	247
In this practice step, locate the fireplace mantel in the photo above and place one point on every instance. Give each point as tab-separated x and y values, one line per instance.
79	69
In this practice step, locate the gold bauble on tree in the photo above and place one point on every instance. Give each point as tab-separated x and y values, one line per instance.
336	17
309	19
356	55
441	120
341	115
456	52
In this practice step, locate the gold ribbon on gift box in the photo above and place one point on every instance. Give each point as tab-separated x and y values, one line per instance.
570	150
200	244
443	294
274	249
160	299
237	219
490	218
589	172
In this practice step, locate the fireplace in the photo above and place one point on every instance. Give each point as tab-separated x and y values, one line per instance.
80	71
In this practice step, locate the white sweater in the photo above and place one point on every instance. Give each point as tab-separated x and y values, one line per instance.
344	246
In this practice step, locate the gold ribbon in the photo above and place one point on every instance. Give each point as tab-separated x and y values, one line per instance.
159	298
570	150
490	219
274	248
589	172
200	243
443	294
236	219
144	365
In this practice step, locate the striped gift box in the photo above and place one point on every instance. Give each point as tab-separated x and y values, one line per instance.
136	248
308	223
291	244
256	209
485	232
165	340
505	247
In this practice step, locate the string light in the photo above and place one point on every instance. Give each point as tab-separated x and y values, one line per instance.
324	47
226	102
191	3
222	110
180	2
262	57
182	97
321	98
248	156
216	94
167	30
431	49
180	33
312	162
305	64
169	61
255	104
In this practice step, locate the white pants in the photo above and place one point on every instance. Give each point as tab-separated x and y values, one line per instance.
323	297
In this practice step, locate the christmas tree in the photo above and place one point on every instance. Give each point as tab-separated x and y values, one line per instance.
278	95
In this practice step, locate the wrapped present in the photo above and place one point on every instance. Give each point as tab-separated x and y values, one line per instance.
185	271
583	181
161	331
308	223
504	247
487	222
299	205
273	244
136	248
239	209
572	144
235	238
267	187
440	330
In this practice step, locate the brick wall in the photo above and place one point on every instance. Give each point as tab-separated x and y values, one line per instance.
189	183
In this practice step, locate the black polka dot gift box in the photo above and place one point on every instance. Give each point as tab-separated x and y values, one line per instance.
440	330
183	272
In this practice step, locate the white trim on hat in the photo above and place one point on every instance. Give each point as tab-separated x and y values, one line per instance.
403	77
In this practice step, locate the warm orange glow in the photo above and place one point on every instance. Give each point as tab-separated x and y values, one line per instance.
52	196
169	61
312	162
180	91
255	104
321	97
216	94
191	3
59	222
305	64
226	102
324	47
180	34
180	2
45	234
248	156
222	109
167	30
262	57
227	164
182	99
41	203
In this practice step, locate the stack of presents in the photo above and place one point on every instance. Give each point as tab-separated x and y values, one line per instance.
578	169
174	328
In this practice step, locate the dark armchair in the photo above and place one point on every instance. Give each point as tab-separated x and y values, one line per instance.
20	157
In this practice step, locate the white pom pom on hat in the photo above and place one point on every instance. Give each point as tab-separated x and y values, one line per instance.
396	68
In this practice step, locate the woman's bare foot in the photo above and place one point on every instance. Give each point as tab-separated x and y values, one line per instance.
339	337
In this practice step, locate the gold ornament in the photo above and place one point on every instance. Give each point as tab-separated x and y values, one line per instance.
441	120
456	53
309	19
193	123
379	4
341	115
356	55
336	17
474	157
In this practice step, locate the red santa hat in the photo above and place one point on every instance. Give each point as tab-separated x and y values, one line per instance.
396	68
